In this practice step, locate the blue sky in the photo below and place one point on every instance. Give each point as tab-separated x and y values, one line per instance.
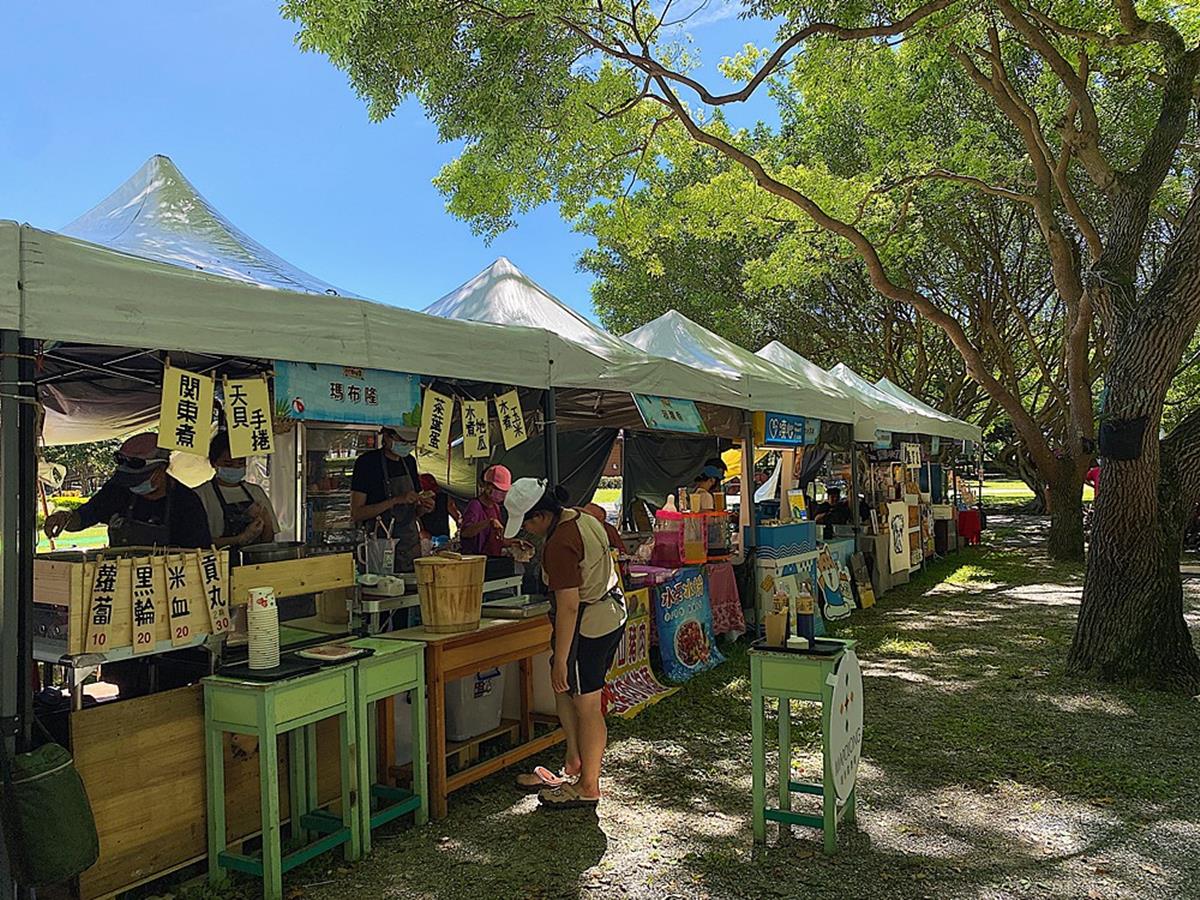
274	138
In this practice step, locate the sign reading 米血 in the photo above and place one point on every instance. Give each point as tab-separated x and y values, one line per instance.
845	725
248	417
669	414
683	615
630	685
512	419
309	392
185	417
434	436
476	437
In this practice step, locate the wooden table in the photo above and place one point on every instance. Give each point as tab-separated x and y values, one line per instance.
451	656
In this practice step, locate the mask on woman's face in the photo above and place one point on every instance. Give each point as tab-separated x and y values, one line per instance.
146	487
402	448
231	474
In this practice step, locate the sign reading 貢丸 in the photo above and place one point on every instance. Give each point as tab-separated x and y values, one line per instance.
434	436
185	419
308	392
248	417
476	436
512	419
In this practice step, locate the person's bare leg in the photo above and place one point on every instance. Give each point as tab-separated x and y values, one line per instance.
593	737
570	725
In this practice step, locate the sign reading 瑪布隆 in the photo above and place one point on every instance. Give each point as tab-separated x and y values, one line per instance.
309	392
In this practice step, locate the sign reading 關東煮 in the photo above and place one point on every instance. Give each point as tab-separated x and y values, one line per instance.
248	417
186	412
309	392
669	414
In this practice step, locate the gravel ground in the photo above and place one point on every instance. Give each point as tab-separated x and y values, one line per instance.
987	773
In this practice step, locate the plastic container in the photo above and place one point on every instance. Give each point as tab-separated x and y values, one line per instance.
668	539
717	528
695	539
451	591
474	704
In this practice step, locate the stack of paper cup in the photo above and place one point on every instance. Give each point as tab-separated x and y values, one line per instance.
262	620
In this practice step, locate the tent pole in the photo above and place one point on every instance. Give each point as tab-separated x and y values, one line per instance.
18	478
550	434
855	518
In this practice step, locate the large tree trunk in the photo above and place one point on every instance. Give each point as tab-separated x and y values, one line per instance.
1065	495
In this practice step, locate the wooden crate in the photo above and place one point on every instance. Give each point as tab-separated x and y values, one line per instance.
142	762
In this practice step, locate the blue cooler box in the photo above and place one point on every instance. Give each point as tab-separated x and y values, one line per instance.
779	541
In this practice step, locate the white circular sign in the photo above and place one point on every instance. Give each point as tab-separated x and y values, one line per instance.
846	725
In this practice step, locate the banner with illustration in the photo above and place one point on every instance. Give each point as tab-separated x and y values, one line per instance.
630	685
309	392
683	616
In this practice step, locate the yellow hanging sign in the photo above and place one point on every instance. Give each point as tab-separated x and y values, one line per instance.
512	419
434	436
477	440
248	417
149	591
102	601
185	420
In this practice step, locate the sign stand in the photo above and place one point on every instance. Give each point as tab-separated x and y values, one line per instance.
834	681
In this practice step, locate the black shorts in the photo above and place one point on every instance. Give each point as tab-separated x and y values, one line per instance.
590	659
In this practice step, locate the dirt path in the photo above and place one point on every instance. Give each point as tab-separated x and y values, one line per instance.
987	773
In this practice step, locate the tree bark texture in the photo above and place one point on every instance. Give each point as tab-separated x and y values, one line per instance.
1065	494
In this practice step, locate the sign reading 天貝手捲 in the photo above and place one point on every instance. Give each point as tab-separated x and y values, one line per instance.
911	454
248	417
309	392
186	411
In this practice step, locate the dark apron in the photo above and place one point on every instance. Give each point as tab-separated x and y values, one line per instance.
234	515
402	519
126	531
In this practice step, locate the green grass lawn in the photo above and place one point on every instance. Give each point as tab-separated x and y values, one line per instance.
988	772
88	539
1015	493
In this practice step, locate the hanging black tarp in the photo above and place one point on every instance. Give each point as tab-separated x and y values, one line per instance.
656	464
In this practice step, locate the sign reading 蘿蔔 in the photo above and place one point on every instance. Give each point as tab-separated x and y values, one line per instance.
185	416
309	392
669	414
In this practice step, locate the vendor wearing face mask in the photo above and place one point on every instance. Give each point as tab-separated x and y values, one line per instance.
239	513
142	504
384	490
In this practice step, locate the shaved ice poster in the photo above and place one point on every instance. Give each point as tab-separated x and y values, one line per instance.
683	615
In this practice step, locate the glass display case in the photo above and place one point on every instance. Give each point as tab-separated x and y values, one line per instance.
329	456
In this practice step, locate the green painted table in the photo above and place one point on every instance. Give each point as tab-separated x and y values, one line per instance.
835	682
266	710
396	667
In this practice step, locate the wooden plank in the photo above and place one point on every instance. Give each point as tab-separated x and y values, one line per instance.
503	761
495	651
57	582
142	762
509	727
290	577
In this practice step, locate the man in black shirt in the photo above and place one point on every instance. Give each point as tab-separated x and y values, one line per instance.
834	511
142	504
384	489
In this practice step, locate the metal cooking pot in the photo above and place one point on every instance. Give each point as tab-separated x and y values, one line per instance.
275	551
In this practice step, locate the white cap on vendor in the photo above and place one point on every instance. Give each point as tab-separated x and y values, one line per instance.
136	457
524	495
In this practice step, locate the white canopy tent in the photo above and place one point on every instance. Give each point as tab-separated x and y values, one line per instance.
951	427
890	414
504	295
768	387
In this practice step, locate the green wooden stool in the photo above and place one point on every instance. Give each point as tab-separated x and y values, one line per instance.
396	667
266	710
835	682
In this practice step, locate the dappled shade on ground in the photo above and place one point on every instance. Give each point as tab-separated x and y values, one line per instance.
987	772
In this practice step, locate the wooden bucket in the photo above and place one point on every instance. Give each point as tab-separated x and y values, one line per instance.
450	586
